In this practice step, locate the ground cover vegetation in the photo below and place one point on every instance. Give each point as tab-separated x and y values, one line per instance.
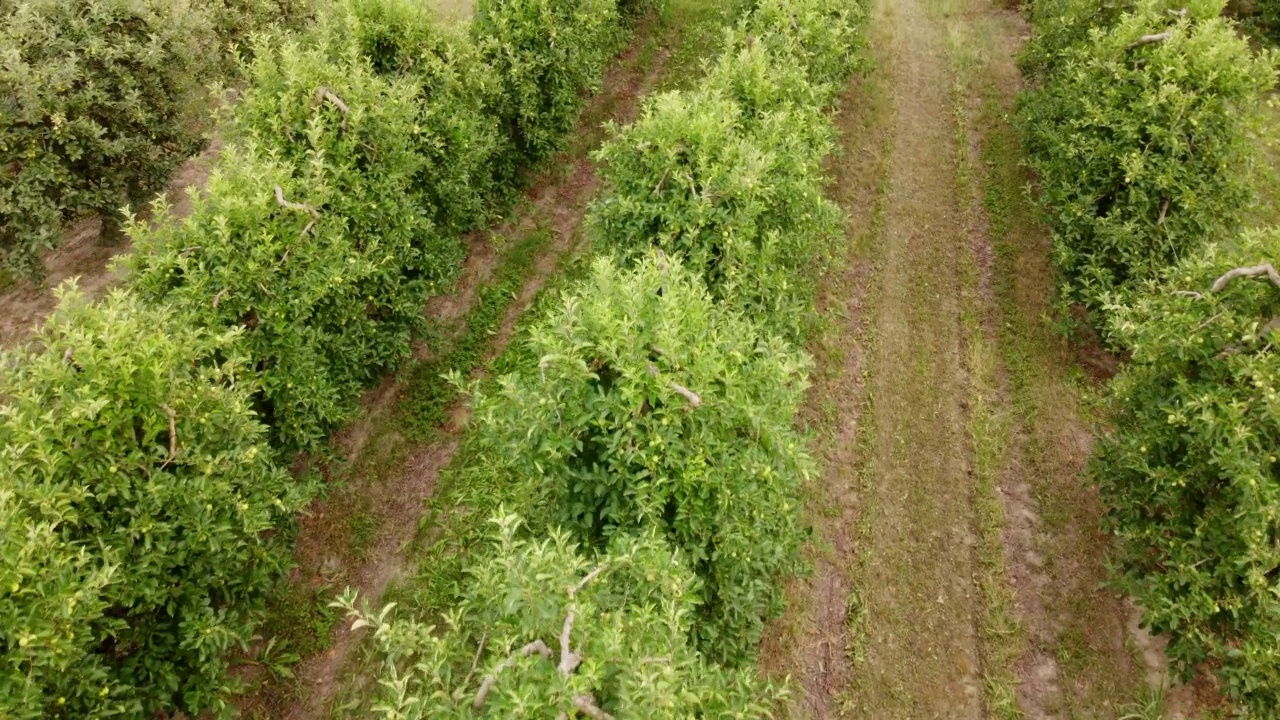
145	438
1138	122
645	438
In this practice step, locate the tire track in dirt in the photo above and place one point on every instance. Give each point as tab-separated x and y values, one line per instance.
400	500
923	608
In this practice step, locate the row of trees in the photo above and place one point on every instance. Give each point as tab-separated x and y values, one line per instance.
101	102
144	439
1139	124
653	466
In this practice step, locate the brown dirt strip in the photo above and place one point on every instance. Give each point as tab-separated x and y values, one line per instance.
400	499
83	255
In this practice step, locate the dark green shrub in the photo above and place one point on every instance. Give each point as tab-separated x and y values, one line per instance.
1189	471
654	407
460	138
133	464
738	198
1142	145
548	53
330	283
93	103
628	640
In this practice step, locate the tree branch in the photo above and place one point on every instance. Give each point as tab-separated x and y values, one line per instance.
537	646
69	356
693	397
323	93
315	214
586	705
1148	39
569	660
1189	293
1265	268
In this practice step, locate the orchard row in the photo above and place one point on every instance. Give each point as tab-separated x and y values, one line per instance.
1140	122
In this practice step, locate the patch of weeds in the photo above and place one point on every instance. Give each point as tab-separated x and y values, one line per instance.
427	393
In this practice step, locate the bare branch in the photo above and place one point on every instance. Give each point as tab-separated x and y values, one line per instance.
476	660
537	646
1189	293
1148	39
69	355
573	591
315	214
218	298
1164	211
1264	269
693	397
322	94
173	436
586	705
1177	13
688	394
569	660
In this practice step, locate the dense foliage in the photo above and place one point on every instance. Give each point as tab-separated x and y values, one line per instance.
329	275
458	134
140	504
1139	132
547	632
546	52
653	407
93	110
728	177
1189	472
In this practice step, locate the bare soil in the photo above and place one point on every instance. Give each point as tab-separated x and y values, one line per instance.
83	256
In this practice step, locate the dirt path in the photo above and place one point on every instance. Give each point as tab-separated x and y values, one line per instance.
959	565
82	255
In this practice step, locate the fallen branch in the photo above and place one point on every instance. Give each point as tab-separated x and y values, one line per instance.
322	94
1264	269
1149	39
537	646
315	214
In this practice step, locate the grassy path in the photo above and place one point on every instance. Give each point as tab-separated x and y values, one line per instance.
959	569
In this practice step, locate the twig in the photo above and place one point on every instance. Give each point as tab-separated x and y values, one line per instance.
218	298
1164	210
173	437
661	181
586	705
1190	294
1206	323
1148	39
1178	13
1265	268
69	355
315	214
537	646
476	660
324	93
